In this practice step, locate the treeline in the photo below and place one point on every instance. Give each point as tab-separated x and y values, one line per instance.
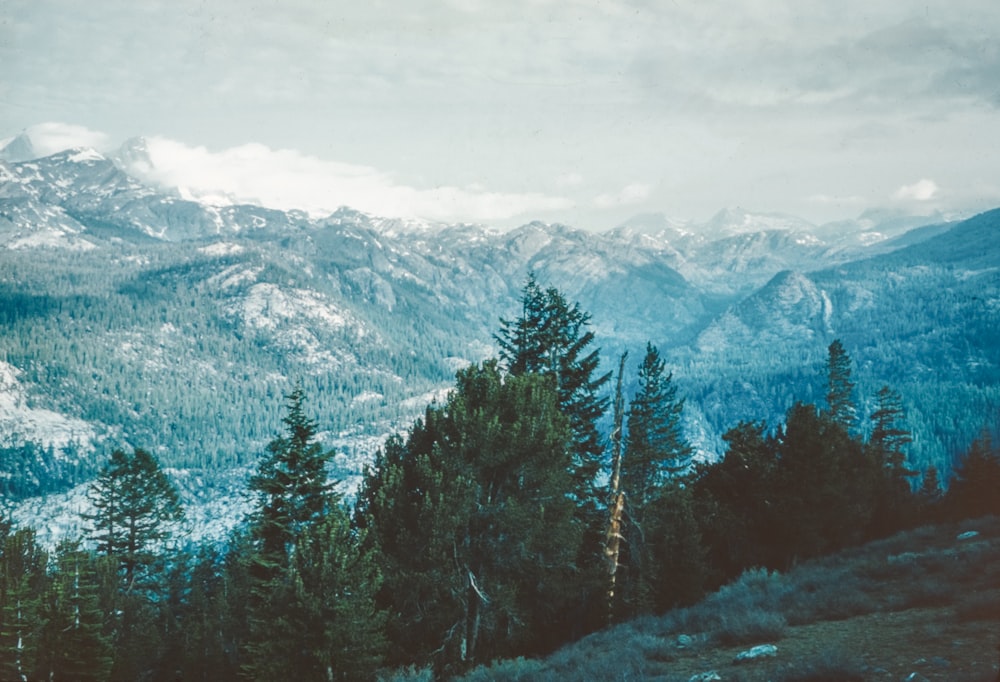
503	523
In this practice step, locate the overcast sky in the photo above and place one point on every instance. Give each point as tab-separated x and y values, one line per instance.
584	112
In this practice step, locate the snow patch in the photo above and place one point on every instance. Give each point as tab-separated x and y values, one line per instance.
221	249
50	239
367	397
85	155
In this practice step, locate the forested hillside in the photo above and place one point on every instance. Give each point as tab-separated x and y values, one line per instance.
133	318
487	531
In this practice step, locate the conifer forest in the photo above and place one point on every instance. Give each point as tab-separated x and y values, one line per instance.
540	500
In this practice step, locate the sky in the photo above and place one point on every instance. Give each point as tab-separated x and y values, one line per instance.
584	112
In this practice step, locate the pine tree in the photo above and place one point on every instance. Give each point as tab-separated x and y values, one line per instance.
656	508
840	387
310	609
894	503
824	485
929	496
292	484
473	520
551	338
889	436
656	448
735	498
23	581
975	487
77	640
135	504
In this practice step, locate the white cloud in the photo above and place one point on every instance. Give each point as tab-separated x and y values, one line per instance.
287	179
922	190
630	194
569	180
52	137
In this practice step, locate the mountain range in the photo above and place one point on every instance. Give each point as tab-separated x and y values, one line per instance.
133	316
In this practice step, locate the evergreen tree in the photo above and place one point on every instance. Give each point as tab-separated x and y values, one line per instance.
551	338
824	485
79	611
310	609
22	584
292	485
656	449
657	509
889	436
840	387
894	503
735	499
975	487
929	496
679	560
134	505
476	529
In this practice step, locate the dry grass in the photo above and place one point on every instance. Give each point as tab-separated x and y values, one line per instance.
922	602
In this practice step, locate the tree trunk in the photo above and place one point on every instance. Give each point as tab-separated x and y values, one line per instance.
616	506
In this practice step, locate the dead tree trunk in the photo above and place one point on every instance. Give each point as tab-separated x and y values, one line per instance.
616	499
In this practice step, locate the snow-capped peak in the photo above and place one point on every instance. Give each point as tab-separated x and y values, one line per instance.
736	220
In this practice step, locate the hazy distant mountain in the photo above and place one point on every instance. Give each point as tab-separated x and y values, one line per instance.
17	148
133	316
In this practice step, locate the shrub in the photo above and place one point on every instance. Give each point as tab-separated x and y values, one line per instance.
408	674
748	627
514	670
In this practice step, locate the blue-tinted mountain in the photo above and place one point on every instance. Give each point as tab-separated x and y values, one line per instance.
132	316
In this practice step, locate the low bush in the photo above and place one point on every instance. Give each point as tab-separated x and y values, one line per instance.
748	627
510	670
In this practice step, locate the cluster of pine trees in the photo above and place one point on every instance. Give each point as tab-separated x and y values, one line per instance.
494	527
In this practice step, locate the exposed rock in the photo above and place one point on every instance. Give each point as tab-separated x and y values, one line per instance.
710	676
759	651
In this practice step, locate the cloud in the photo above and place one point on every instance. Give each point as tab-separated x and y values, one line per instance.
569	180
630	194
52	137
922	190
287	179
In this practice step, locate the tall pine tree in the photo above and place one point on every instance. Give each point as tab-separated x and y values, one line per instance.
311	612
23	581
134	506
840	387
551	338
80	614
895	505
662	545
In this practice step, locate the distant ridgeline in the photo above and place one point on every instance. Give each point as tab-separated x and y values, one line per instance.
140	319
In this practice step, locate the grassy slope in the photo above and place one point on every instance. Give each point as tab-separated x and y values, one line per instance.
924	602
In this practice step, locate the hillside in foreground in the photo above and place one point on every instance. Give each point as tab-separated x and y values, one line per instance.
921	605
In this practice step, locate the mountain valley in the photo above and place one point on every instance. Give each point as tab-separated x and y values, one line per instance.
132	316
